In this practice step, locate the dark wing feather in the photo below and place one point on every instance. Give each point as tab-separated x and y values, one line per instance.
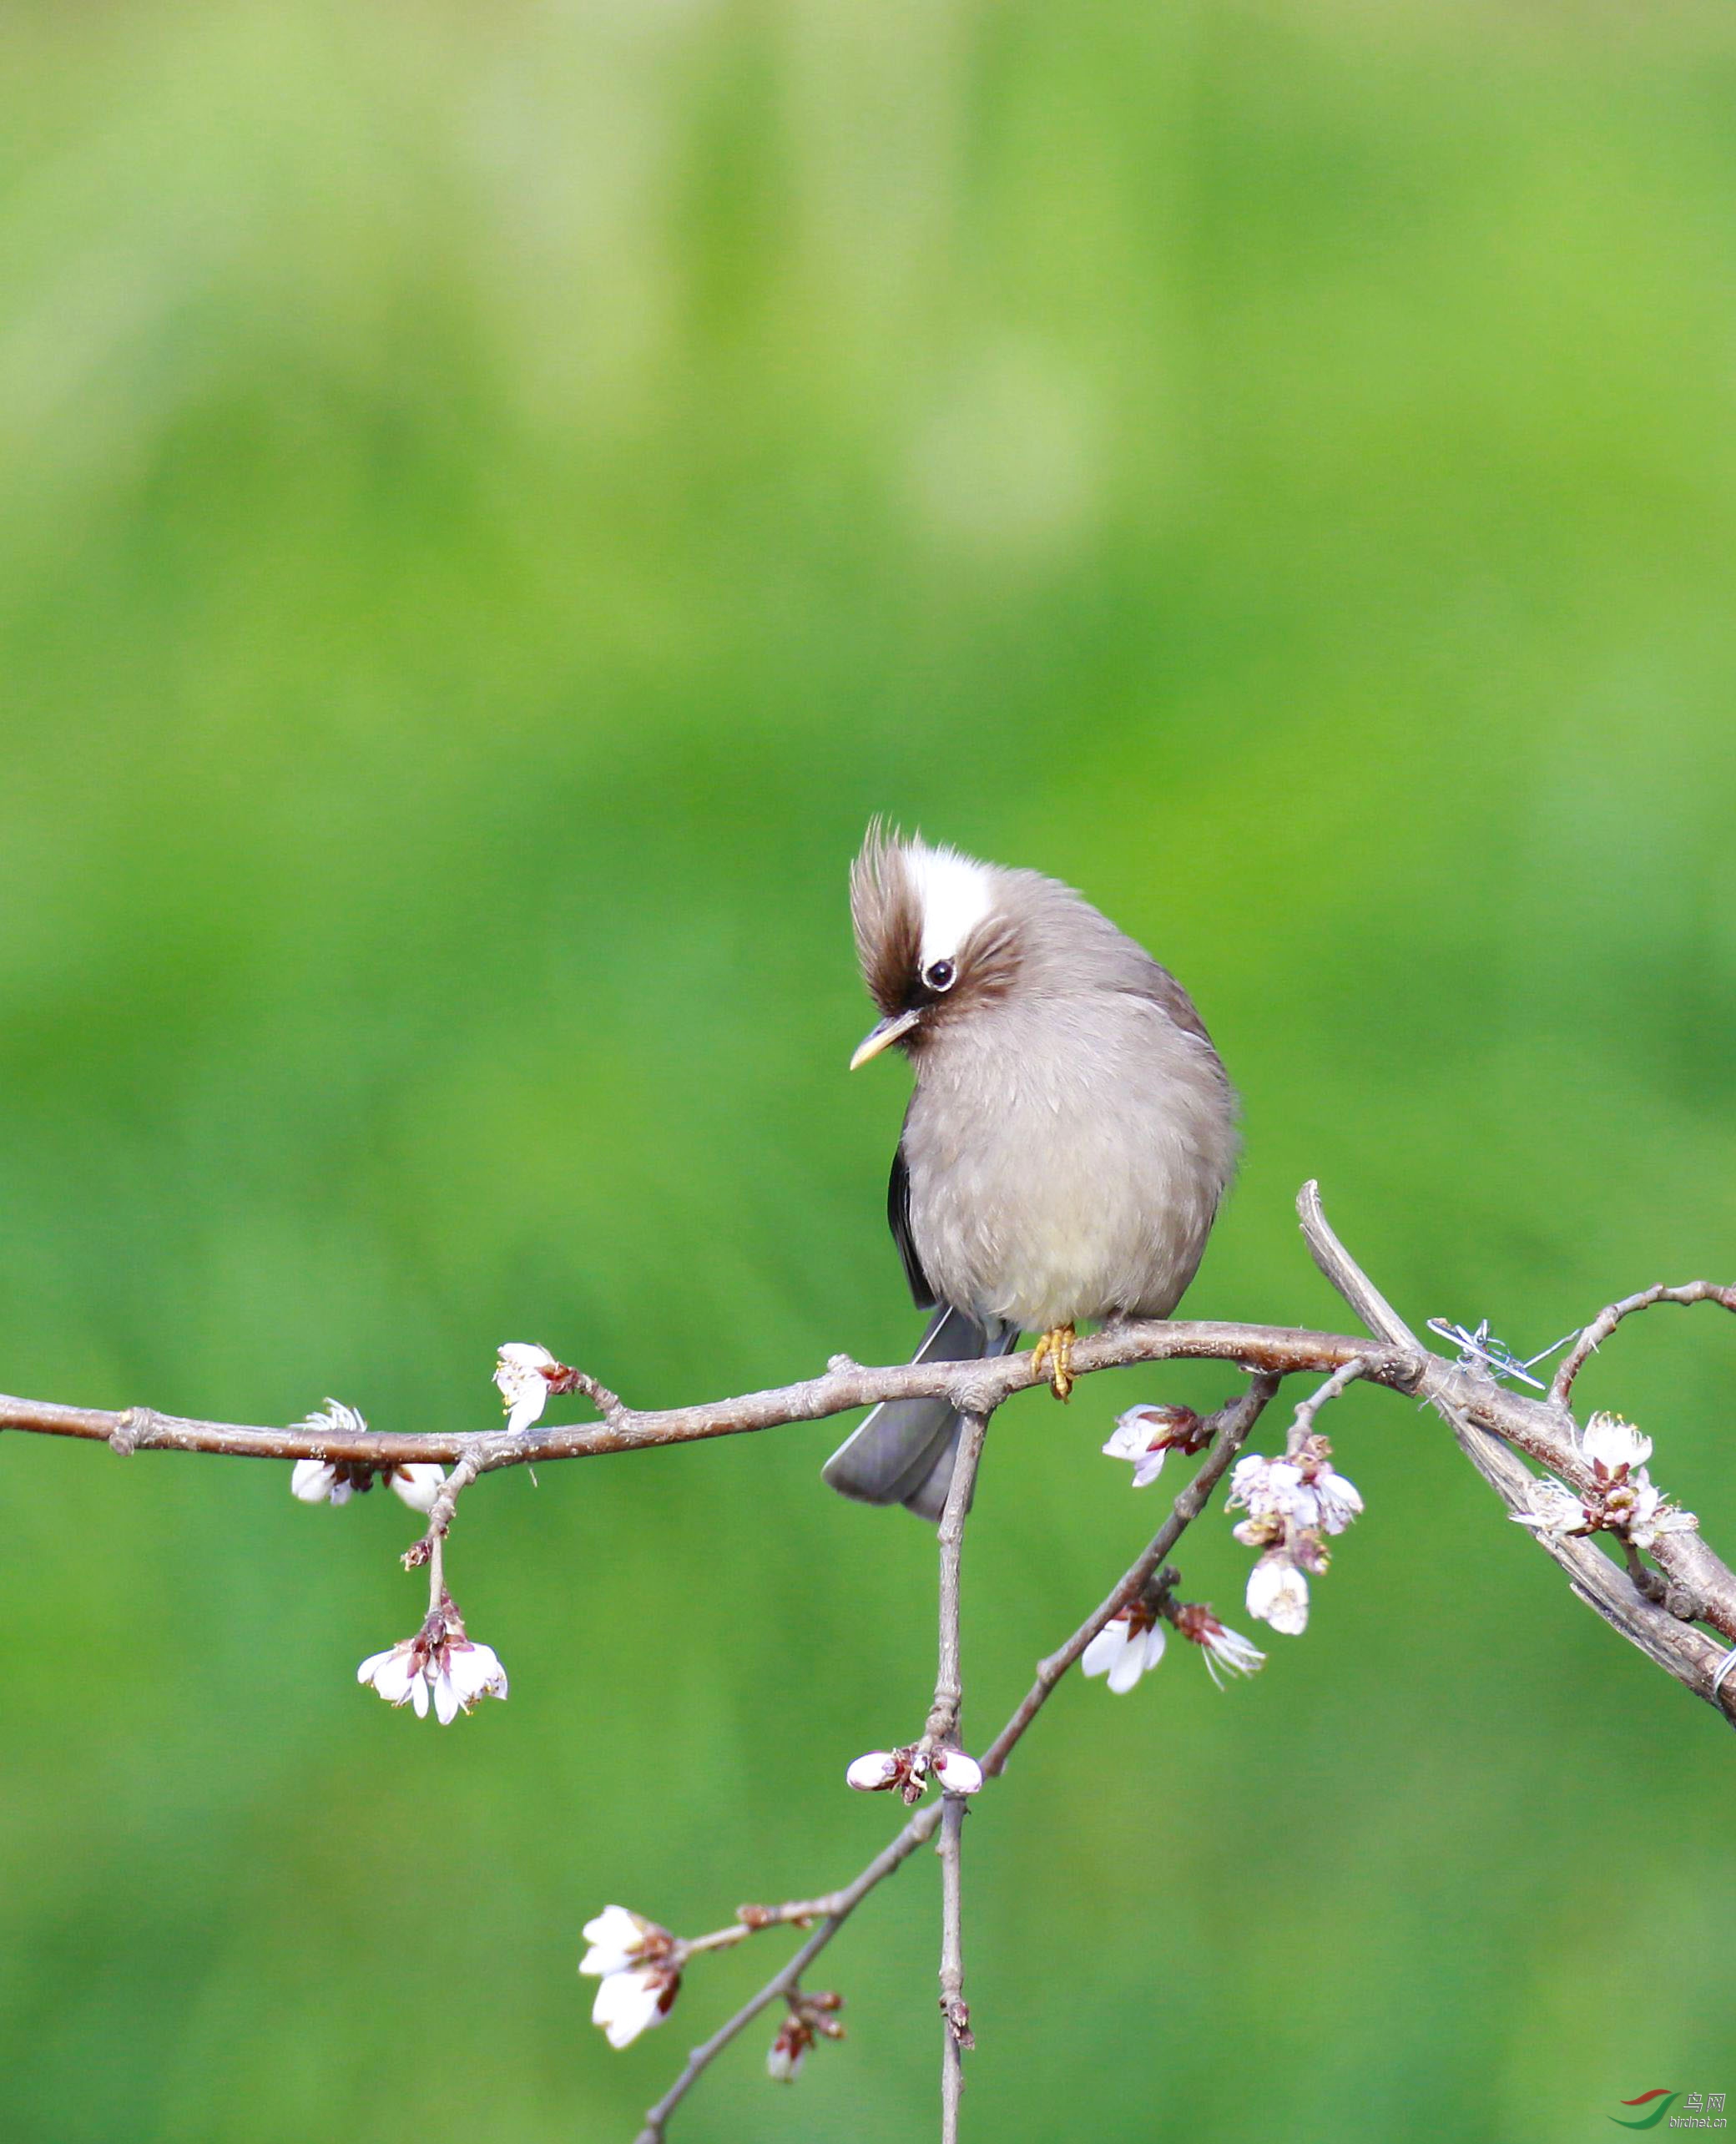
898	1219
1156	982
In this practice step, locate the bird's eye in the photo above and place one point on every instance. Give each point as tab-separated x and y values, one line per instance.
938	974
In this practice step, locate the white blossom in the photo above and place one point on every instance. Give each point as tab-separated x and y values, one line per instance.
1554	1507
1123	1652
523	1387
1612	1444
1147	1435
958	1774
337	1419
1278	1594
632	1957
809	2016
1622	1499
628	2004
1227	1651
439	1665
323	1481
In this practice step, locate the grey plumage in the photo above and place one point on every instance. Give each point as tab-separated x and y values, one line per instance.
1070	1138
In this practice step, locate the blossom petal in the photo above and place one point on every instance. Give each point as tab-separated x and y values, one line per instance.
628	2003
1105	1650
958	1774
615	1936
447	1702
392	1674
1340	1500
1131	1665
419	1485
868	1775
313	1480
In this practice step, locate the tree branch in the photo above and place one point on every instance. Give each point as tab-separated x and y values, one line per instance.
974	1388
1486	1421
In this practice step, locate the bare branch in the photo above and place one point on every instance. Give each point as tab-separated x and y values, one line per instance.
1231	1425
1486	1421
974	1388
1605	1323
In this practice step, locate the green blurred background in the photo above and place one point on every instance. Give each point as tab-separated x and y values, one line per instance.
493	500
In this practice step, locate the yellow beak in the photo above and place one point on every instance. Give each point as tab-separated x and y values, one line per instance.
877	1038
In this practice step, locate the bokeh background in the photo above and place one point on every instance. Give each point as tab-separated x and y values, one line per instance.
493	500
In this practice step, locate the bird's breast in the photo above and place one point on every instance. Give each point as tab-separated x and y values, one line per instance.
1067	1165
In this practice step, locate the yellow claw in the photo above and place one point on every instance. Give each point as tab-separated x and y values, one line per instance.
1056	1349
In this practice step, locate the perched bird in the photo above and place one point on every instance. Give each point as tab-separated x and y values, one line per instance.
1070	1137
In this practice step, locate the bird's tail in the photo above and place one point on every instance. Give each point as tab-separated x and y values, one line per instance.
904	1452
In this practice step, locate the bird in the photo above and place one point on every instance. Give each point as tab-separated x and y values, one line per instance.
1071	1134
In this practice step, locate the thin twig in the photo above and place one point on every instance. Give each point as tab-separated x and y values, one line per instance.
1232	1425
956	2033
839	1907
1302	1426
1606	1321
942	1730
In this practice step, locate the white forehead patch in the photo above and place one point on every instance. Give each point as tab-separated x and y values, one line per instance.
956	893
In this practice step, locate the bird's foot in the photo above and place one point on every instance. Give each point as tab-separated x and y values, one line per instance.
1056	1349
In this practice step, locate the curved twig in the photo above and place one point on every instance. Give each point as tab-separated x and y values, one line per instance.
1606	1321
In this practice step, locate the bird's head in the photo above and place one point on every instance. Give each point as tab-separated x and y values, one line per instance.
933	937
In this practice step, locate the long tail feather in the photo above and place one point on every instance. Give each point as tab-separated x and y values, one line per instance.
904	1452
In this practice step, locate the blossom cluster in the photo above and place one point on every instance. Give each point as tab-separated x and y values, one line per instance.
336	1480
1131	1642
1292	1505
440	1666
909	1771
1622	1499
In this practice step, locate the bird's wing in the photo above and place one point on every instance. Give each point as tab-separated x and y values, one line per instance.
898	1219
1153	981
